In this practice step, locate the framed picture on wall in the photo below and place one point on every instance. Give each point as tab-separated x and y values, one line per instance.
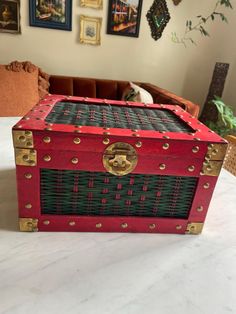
10	16
95	4
51	14
124	17
90	30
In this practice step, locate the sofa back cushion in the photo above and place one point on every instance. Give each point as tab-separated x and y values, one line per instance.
87	87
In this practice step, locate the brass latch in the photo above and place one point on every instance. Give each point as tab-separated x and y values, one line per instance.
194	228
120	158
28	224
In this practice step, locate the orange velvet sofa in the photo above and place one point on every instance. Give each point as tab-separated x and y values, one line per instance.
112	89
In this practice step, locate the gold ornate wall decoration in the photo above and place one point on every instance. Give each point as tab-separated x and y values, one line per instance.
90	30
95	4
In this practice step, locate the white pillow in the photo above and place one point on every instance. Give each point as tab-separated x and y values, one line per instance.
137	94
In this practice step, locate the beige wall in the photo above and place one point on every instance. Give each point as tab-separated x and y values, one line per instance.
185	71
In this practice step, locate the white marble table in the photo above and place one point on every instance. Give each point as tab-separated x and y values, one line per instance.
83	273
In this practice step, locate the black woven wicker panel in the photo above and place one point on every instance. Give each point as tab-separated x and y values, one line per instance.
116	117
73	192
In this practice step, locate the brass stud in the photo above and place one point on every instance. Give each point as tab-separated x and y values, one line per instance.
106	141
215	151
124	225
134	130
47	158
28	206
206	185
106	133
191	168
72	223
135	135
152	226
208	157
28	133
139	144
200	209
210	146
166	146
77	140
195	149
22	138
178	227
162	167
98	225
77	131
47	139
197	139
25	157
29	144
209	168
74	160
166	137
105	128
46	222
28	175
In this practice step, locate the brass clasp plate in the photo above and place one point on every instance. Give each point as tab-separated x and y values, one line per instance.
120	158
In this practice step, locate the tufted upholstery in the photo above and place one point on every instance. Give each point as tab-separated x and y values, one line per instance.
111	89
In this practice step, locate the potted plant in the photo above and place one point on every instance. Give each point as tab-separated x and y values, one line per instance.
225	125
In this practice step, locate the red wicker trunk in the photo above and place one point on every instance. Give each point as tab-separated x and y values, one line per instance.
111	166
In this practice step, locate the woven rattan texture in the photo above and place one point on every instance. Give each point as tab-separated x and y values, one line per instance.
73	192
116	117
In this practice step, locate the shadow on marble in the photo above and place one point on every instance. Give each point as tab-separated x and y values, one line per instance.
8	200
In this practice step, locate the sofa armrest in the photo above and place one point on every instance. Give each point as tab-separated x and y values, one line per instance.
163	96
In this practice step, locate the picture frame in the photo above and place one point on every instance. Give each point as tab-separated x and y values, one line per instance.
90	30
56	14
10	16
124	17
95	4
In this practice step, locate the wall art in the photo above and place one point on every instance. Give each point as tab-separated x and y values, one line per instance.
10	16
95	4
124	17
51	14
158	16
90	30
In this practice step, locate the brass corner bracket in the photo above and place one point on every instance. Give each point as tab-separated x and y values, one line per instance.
23	139
25	157
194	228
214	159
28	224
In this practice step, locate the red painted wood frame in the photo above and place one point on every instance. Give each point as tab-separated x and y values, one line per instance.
184	157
